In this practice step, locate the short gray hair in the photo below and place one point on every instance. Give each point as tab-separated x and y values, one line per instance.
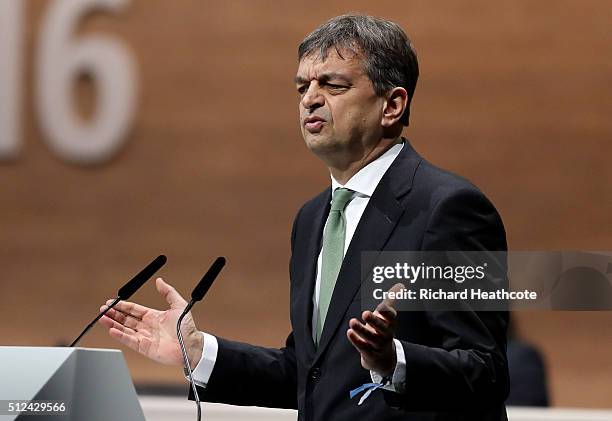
388	55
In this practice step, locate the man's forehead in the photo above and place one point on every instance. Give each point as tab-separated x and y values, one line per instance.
347	63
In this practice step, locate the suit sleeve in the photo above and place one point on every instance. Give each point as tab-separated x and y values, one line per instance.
467	369
250	375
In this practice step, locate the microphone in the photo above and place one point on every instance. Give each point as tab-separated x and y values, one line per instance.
207	280
196	295
133	285
127	290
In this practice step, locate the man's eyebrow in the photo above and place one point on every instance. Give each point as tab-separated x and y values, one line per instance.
324	77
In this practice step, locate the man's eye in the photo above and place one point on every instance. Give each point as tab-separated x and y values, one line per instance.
337	87
301	89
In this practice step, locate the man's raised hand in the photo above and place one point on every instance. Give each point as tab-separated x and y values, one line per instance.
374	338
153	332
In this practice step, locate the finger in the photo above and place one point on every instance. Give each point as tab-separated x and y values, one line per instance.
130	340
388	304
388	314
375	339
357	324
123	318
136	342
380	324
362	345
111	324
133	309
170	294
115	315
138	331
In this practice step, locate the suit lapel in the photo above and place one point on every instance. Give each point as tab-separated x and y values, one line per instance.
313	248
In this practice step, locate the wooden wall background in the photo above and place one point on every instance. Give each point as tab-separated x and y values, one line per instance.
513	95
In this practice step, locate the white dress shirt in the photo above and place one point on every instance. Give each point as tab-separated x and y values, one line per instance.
363	184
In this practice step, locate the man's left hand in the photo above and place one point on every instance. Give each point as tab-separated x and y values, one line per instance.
374	339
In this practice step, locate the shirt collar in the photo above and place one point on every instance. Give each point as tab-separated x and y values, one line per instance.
366	180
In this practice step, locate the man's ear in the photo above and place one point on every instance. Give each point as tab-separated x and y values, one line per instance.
394	106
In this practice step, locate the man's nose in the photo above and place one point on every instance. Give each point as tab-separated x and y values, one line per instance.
313	98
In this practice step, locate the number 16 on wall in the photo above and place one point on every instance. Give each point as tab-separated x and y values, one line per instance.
60	59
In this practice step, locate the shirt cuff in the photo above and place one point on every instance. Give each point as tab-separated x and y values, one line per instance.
398	380
202	371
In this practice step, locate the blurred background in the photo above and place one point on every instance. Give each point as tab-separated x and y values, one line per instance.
134	128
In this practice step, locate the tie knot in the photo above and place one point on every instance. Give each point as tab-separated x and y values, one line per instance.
340	199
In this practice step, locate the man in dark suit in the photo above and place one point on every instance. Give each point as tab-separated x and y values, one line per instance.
356	78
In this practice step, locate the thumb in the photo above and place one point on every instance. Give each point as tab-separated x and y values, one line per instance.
387	307
172	297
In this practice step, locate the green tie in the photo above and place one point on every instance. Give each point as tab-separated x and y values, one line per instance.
332	254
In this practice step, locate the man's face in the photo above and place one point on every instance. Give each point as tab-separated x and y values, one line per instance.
339	110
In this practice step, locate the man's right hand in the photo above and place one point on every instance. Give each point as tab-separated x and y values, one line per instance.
153	332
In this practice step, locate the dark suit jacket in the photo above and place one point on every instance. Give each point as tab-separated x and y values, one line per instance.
456	361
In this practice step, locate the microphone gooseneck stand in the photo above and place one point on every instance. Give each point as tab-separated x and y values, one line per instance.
127	290
197	294
93	322
186	358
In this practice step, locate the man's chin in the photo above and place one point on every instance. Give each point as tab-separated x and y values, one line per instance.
318	143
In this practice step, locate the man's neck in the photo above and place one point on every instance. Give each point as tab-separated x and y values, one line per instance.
343	172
